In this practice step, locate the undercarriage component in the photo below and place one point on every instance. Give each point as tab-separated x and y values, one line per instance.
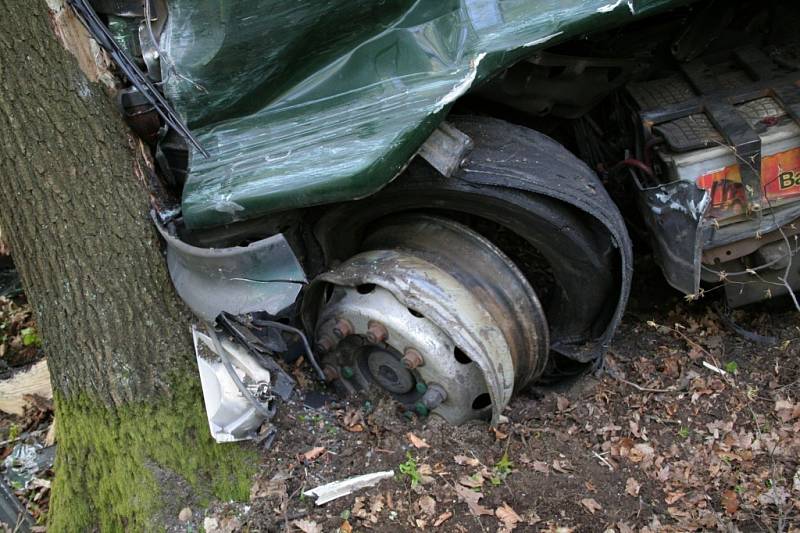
438	317
757	268
558	85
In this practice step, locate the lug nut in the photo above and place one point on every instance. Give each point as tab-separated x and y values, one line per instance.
343	328
412	359
331	374
325	344
376	332
421	387
347	372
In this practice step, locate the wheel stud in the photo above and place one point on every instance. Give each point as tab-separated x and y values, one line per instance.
330	373
343	328
325	344
434	396
412	359
376	332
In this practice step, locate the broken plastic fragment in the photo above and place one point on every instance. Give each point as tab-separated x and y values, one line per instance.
231	415
337	489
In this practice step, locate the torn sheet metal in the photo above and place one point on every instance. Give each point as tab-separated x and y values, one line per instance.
262	276
331	99
337	489
233	414
679	209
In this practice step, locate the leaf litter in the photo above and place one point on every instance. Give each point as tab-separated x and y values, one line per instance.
689	448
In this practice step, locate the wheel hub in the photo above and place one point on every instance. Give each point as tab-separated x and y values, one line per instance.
434	315
389	372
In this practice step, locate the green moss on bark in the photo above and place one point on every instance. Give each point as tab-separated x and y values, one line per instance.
116	467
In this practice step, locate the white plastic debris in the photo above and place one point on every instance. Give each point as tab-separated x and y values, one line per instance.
337	489
231	416
713	368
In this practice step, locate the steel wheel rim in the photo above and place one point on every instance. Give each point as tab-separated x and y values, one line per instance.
427	302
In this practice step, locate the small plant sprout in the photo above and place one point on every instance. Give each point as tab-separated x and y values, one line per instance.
410	470
30	337
731	367
684	432
502	469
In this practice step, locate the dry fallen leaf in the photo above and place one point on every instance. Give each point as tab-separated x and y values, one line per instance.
632	487
672	497
730	501
562	466
541	466
474	481
307	526
346	527
507	516
427	505
416	441
625	528
472	499
359	510
425	472
499	435
442	518
562	402
312	454
591	505
466	461
272	488
353	421
376	505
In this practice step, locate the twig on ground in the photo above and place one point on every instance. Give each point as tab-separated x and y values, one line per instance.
603	460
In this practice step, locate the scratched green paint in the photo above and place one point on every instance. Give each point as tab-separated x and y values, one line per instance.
309	102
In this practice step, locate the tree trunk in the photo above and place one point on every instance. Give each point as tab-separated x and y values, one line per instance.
74	207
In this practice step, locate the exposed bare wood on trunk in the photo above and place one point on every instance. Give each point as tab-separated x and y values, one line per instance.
77	220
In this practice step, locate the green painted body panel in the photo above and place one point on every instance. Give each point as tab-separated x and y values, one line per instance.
307	102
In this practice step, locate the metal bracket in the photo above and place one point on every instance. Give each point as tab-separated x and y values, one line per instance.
446	149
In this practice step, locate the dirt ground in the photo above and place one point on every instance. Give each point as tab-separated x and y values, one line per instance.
657	442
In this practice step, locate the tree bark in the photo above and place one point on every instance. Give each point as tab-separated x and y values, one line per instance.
74	207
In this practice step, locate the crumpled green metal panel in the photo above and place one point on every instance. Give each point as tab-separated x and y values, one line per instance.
303	103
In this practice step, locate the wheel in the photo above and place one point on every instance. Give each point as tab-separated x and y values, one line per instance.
432	294
419	313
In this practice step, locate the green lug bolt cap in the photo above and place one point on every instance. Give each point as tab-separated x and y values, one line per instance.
408	414
347	372
421	387
421	409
